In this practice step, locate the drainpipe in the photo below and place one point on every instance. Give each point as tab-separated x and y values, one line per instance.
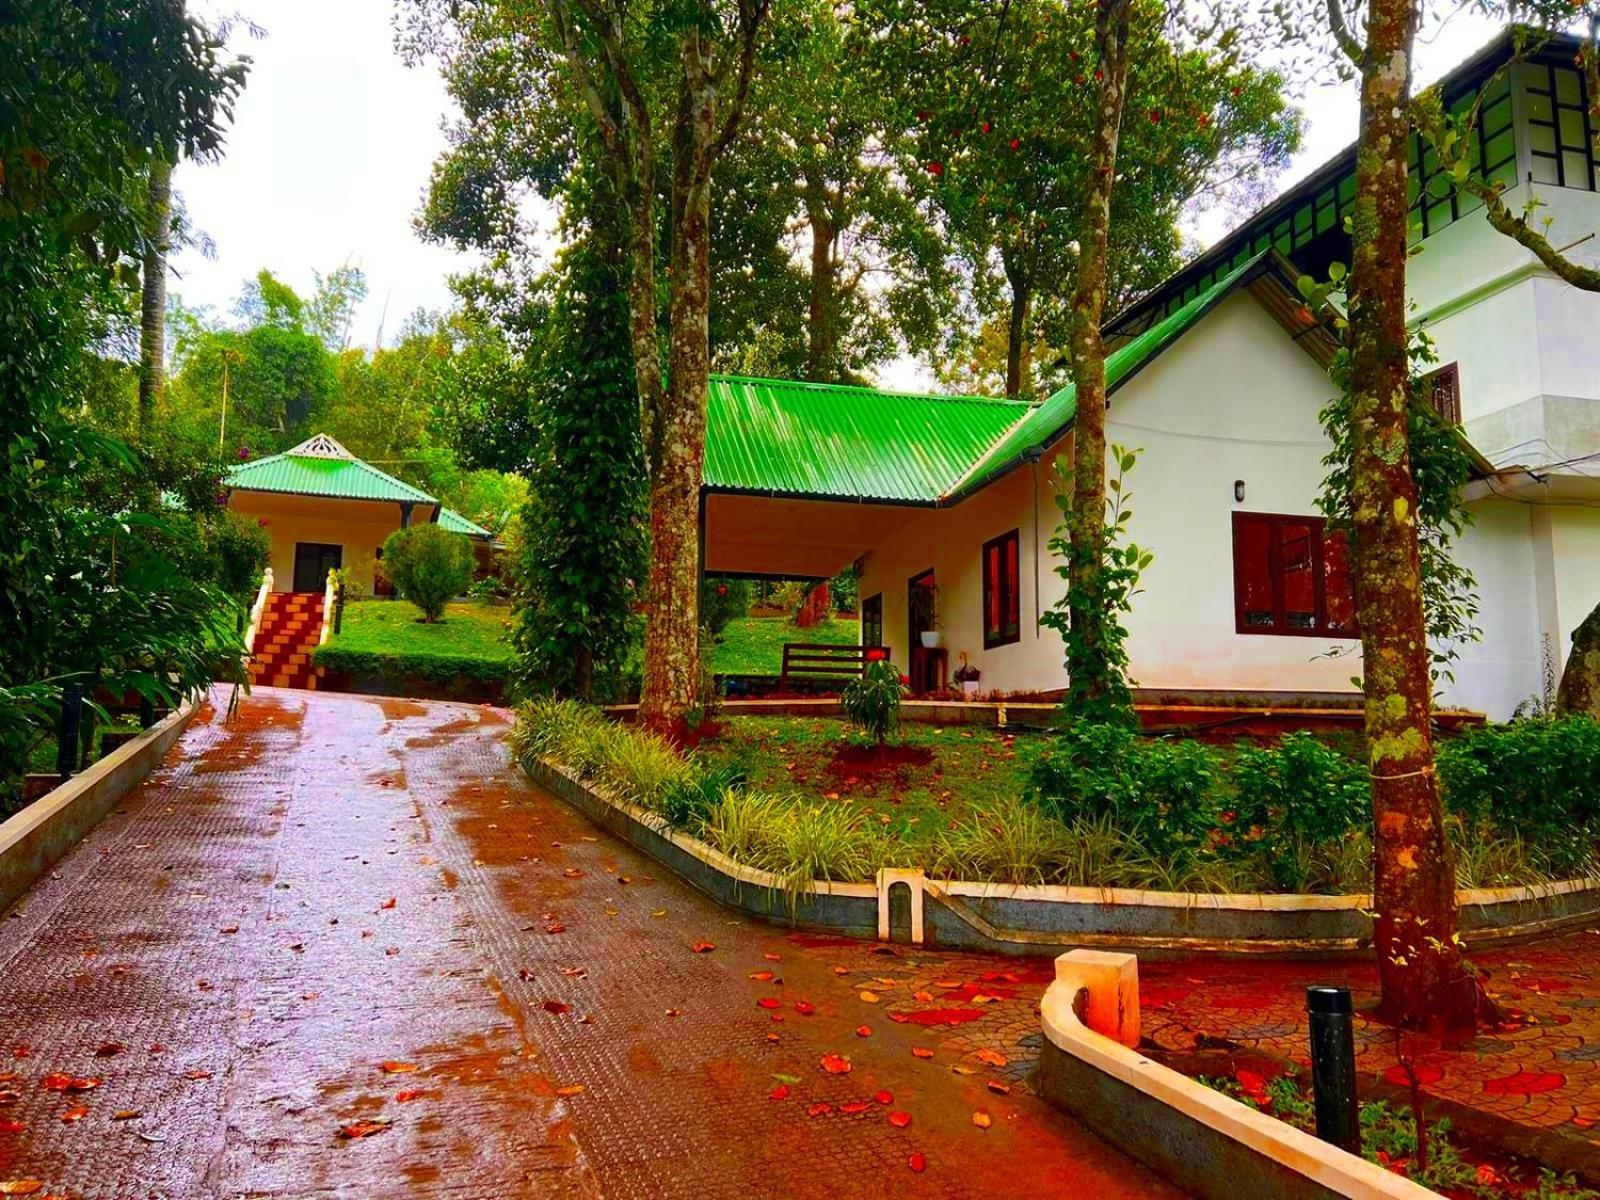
405	514
1032	457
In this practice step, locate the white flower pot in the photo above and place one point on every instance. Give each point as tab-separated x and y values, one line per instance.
969	687
932	639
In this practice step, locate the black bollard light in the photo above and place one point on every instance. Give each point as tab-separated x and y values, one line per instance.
1333	1066
69	731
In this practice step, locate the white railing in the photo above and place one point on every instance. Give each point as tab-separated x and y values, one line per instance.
256	609
330	595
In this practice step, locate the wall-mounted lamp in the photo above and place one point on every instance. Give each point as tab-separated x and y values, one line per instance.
1238	490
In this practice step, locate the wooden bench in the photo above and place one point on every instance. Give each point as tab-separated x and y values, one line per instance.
821	660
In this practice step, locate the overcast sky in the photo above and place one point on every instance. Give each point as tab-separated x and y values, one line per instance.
334	137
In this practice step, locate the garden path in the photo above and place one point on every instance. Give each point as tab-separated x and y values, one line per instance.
345	912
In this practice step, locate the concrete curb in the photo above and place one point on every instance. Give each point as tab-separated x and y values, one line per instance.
1048	919
1206	1142
33	840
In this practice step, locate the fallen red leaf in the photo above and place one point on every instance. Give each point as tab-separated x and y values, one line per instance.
555	1006
9	1126
109	1049
781	1092
408	1095
819	1109
804	1007
196	1073
938	1016
56	1082
918	1162
127	1114
389	903
571	1089
899	1119
835	1064
773	1038
20	1187
854	1107
767	1002
396	1067
921	1052
863	1030
704	947
998	1088
573	873
883	1097
1525	1083
361	1129
761	976
993	1057
771	957
555	927
76	1113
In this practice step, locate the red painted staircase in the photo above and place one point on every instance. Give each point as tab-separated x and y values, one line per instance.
290	626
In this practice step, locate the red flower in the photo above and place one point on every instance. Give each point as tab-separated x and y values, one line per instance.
877	654
986	127
1015	142
722	589
935	168
34	158
906	680
1155	116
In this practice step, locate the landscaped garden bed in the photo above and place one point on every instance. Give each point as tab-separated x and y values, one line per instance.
1447	1162
809	798
385	645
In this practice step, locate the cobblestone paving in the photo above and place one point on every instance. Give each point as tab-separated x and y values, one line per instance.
337	910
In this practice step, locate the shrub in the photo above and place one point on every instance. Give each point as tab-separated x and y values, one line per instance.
723	601
428	566
1292	800
1163	793
1009	841
1539	777
691	802
872	702
239	549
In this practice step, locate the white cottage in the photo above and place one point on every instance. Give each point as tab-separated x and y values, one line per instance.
946	502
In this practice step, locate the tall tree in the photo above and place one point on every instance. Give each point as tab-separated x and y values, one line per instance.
1424	978
1004	99
153	296
612	56
1091	682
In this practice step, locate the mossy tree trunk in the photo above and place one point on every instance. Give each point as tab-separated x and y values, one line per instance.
153	298
1087	664
1424	979
1579	693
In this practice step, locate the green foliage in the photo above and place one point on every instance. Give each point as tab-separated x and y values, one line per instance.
382	638
240	549
872	702
1102	694
722	601
104	583
845	589
428	566
1538	777
583	549
1293	800
1008	840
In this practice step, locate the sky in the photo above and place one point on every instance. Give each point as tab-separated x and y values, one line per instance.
334	136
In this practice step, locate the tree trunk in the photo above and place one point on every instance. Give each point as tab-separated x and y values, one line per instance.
1424	980
1019	349
153	299
1087	664
672	632
820	364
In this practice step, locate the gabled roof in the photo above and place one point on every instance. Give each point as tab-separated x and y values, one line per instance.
320	466
823	441
450	519
814	441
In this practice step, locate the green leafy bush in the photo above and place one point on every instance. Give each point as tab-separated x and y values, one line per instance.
1537	777
872	702
428	566
437	668
239	550
1292	801
1164	793
723	601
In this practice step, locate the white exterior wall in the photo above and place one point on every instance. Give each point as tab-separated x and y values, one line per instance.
1493	675
1234	399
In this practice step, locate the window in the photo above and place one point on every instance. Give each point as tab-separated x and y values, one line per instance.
872	620
1442	389
1002	619
1290	577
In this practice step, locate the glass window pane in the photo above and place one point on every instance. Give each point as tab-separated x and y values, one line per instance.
1539	107
1499	148
991	591
1542	138
1572	135
1439	216
1013	614
1298	565
1577	165
1252	572
1544	170
1567	87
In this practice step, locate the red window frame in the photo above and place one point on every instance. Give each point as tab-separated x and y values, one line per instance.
1443	391
1324	546
1002	575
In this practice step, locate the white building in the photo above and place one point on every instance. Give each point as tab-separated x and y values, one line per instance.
1219	378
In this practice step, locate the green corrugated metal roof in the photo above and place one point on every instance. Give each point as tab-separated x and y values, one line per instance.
334	473
1049	419
450	519
824	440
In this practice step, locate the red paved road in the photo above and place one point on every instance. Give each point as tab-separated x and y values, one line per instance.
333	883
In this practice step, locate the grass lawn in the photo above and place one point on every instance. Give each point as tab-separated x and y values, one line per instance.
388	636
934	774
754	646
